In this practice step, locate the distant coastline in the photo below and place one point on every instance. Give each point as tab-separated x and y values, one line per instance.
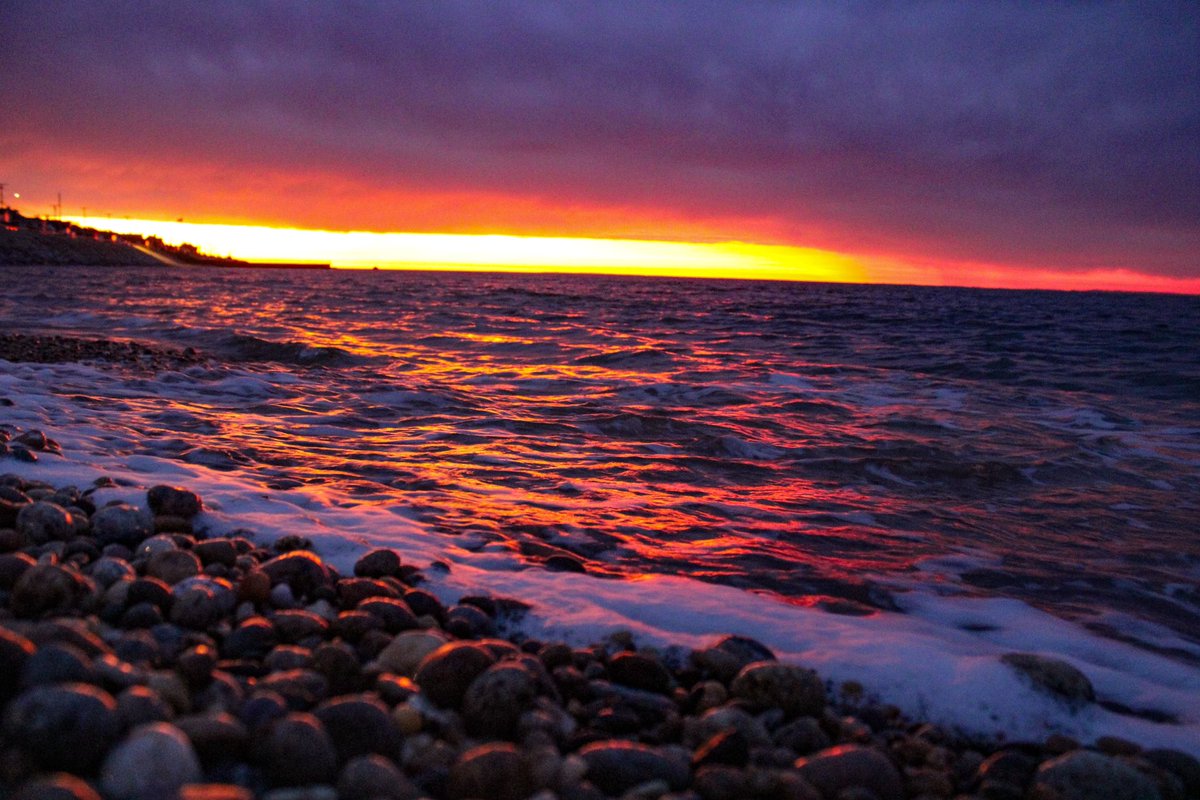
37	241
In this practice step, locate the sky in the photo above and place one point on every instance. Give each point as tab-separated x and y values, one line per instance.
981	143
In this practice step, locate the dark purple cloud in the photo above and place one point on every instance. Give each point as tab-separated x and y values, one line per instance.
1044	133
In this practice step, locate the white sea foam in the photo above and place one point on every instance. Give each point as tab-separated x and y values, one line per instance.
938	661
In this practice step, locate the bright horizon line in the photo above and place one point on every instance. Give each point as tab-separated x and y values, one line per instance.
593	255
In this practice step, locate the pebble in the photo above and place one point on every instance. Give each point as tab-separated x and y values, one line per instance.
121	523
726	657
15	651
490	772
59	786
840	768
48	589
174	501
640	672
359	725
494	702
172	566
378	564
43	522
445	674
1085	775
63	726
298	751
771	684
153	763
616	766
372	776
1053	676
301	570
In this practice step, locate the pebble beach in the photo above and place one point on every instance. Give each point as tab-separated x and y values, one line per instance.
144	655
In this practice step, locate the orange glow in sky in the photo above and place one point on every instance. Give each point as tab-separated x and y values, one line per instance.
719	259
363	250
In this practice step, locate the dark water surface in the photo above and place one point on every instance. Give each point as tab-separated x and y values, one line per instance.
806	440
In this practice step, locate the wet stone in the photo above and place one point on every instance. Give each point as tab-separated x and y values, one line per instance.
298	751
1053	676
301	570
640	672
154	762
15	651
378	564
216	551
296	625
174	501
43	522
358	726
469	622
59	786
445	674
770	684
394	614
253	639
12	567
494	702
215	736
139	705
372	776
57	663
490	772
352	591
64	726
726	657
838	769
616	766
48	589
1084	775
121	524
173	566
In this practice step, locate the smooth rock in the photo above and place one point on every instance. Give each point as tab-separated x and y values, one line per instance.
121	523
298	751
295	625
359	725
15	651
393	613
770	684
174	501
49	589
726	657
494	702
59	786
216	737
303	571
1086	775
1053	676
44	522
490	772
172	566
640	672
445	674
154	762
845	766
64	726
372	776
616	766
378	564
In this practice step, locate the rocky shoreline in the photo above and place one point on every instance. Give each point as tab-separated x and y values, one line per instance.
141	659
56	349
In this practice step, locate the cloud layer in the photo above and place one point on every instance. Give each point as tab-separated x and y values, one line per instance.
1044	134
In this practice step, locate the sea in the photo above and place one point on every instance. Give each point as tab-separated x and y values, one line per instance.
894	485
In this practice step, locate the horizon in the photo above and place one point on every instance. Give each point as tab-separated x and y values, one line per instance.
1045	147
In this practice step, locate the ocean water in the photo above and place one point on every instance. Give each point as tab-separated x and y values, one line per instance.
895	484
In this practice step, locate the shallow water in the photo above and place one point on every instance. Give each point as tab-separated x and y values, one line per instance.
811	441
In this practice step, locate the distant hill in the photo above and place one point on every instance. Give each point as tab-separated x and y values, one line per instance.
33	241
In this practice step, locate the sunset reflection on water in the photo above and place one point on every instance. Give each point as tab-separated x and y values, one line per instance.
803	440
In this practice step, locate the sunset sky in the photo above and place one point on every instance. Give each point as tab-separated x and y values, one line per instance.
999	144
